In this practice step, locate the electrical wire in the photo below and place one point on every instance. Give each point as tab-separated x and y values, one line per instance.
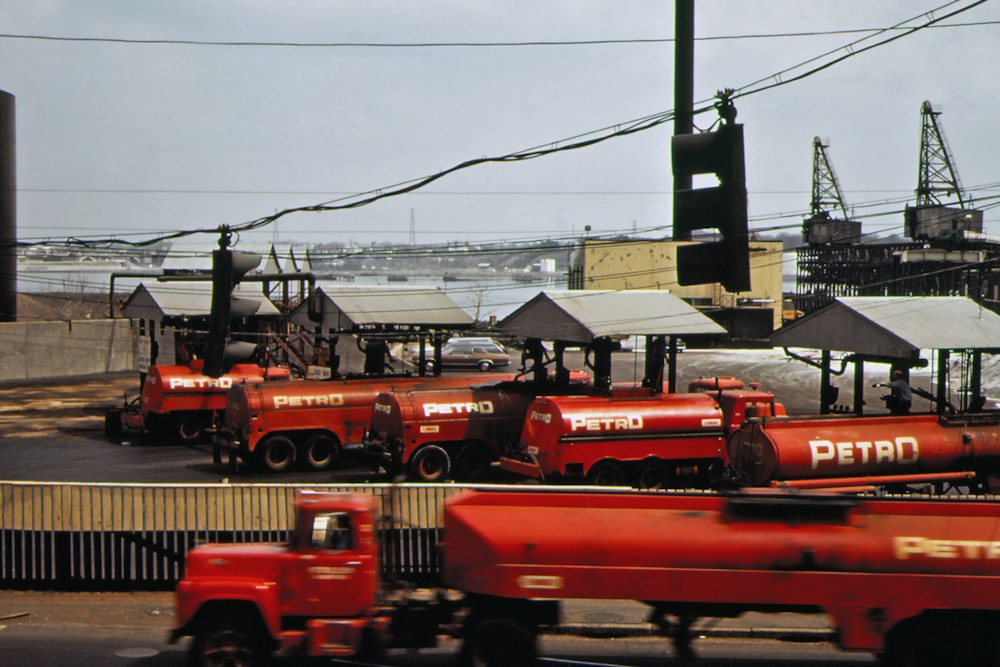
852	49
572	143
579	141
464	44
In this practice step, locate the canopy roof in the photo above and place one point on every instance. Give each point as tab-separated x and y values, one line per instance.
580	316
380	308
897	327
178	300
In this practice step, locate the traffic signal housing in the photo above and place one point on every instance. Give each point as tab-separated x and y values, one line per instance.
723	207
228	268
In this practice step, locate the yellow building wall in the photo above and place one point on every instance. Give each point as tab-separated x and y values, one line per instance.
645	264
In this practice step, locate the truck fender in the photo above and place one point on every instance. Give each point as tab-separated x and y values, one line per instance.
253	603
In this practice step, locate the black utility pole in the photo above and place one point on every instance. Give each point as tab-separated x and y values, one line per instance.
683	88
8	211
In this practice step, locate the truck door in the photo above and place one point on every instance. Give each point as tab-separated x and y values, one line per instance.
330	576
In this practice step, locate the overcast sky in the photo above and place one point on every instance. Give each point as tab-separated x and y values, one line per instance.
138	139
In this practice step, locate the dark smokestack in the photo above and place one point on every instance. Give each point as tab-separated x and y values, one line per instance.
8	211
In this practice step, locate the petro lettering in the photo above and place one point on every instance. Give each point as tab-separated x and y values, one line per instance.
903	449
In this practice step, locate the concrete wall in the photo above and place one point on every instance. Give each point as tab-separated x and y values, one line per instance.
34	350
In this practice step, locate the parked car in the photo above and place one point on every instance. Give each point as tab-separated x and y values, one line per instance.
483	353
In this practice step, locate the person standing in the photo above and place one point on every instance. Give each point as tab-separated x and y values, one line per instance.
901	398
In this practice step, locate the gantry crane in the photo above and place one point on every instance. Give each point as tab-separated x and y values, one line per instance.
823	226
930	218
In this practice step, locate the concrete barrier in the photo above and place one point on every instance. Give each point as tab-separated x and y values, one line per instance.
37	350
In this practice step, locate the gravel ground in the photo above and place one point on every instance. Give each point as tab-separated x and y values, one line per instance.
40	609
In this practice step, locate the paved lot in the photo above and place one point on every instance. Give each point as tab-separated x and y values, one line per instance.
45	610
73	405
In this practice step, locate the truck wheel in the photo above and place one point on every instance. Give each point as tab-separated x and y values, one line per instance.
158	427
931	642
226	644
606	473
499	642
276	453
473	461
321	451
189	428
653	474
430	464
112	423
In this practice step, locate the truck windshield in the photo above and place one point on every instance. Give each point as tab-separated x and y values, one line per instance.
332	532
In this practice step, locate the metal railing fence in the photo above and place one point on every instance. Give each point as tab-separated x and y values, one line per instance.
104	536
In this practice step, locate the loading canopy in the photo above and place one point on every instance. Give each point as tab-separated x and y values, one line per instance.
895	327
172	302
894	330
381	309
580	316
596	318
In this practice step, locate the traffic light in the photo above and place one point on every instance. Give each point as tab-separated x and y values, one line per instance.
723	207
228	268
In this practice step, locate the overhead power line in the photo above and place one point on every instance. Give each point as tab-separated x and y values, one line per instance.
796	73
462	44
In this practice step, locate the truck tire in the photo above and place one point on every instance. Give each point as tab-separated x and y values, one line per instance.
112	423
473	461
320	451
158	427
276	453
606	473
227	643
189	427
430	464
932	642
499	642
653	474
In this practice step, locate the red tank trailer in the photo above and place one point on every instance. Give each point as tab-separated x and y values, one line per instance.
181	402
856	451
914	581
275	424
659	441
434	435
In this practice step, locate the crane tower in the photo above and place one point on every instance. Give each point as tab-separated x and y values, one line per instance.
822	226
930	218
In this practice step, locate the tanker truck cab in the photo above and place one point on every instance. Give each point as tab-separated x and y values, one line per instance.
317	595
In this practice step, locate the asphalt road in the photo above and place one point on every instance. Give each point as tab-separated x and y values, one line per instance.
130	629
54	430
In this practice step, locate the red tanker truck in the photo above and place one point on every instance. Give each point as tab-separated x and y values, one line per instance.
459	433
856	451
433	435
915	581
658	441
275	424
181	402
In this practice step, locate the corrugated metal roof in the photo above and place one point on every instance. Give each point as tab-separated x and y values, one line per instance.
156	301
894	326
354	308
580	316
